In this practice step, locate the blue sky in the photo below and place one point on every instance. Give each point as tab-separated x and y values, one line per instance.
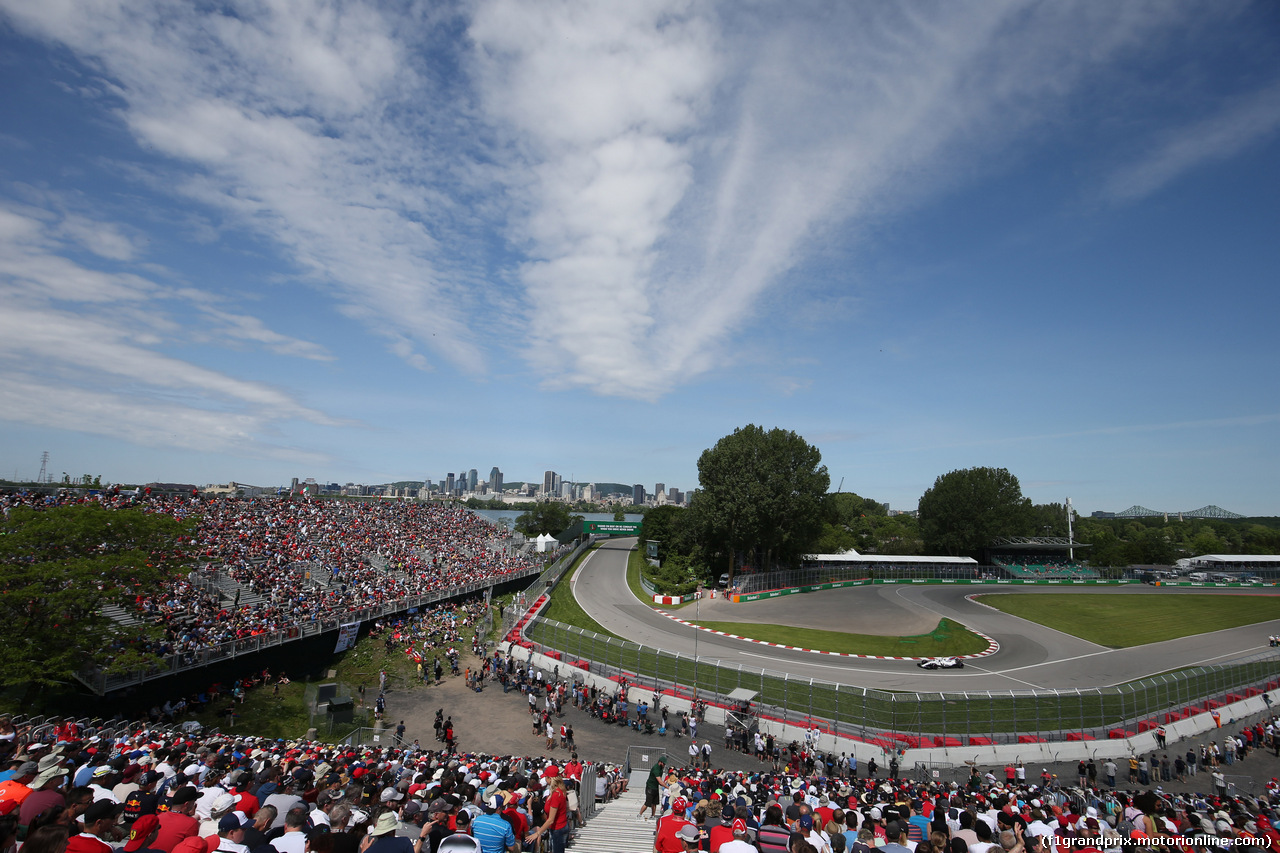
372	241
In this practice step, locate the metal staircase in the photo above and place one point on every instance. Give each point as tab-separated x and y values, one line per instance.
615	827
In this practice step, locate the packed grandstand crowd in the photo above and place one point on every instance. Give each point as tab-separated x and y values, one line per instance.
299	560
77	791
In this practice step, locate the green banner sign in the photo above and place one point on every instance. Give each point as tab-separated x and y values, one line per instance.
626	528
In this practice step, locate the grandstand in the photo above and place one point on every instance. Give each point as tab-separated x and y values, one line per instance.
1236	566
1039	558
275	570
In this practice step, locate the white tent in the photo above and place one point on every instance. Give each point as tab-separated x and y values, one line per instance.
546	542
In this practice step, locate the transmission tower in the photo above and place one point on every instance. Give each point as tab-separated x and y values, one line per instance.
43	477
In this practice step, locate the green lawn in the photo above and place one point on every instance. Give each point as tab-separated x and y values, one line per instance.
1120	621
948	638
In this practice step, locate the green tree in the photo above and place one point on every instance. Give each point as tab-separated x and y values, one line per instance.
59	568
670	526
761	496
619	514
545	517
968	508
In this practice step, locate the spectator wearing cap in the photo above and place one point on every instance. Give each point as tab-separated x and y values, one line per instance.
98	821
689	837
178	822
740	842
231	833
104	778
773	836
325	803
720	831
437	827
557	810
142	835
210	794
142	800
666	840
383	838
294	838
17	788
224	805
894	835
283	798
820	841
46	790
492	830
128	782
237	784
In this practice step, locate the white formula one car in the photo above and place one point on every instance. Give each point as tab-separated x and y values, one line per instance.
940	663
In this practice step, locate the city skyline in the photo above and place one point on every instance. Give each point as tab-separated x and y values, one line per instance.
358	241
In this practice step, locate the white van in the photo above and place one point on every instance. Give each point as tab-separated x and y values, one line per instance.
1198	576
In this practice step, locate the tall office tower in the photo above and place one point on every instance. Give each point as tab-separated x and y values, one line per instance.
473	479
448	484
674	496
637	494
549	482
463	482
659	488
495	481
589	492
566	491
555	484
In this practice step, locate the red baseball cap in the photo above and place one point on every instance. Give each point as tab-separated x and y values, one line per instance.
141	831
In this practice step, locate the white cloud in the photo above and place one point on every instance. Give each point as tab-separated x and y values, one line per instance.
86	342
656	165
682	163
1245	122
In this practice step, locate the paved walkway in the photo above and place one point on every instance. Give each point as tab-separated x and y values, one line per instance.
492	722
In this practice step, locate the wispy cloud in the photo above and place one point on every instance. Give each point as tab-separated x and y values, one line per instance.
655	167
683	157
80	348
1245	122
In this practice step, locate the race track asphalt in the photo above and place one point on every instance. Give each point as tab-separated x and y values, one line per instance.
1030	655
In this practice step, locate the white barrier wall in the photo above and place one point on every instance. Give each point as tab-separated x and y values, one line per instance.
997	755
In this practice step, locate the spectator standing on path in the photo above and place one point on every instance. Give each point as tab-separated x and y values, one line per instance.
706	755
652	787
694	752
1109	768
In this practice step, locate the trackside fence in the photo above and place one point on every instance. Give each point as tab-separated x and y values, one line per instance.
918	719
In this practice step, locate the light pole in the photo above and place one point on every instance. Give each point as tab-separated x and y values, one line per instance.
697	619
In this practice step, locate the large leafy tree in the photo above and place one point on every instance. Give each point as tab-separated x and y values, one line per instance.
545	517
760	496
59	568
966	509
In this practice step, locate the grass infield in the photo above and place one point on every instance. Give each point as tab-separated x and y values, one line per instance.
948	638
1122	621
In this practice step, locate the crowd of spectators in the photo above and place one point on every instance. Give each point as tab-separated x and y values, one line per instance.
297	560
821	811
175	792
178	792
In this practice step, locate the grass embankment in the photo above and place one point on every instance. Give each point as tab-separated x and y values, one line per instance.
948	638
288	715
564	608
1120	621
